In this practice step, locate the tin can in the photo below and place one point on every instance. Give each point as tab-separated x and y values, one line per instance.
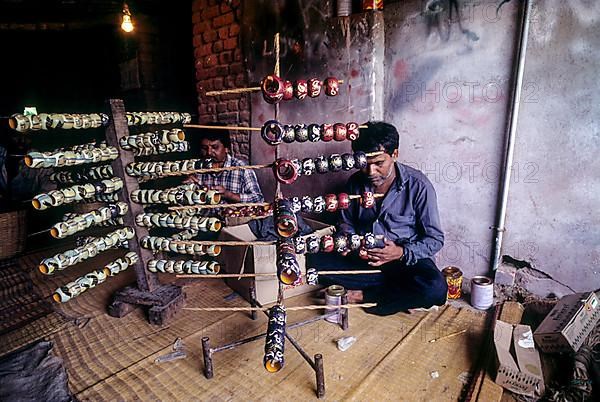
333	297
372	5
482	292
454	278
344	8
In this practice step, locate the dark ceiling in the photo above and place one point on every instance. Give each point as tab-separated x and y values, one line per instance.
40	11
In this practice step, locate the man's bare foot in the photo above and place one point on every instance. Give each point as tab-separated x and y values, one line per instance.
354	296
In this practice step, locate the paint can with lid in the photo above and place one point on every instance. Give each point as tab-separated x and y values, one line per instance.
482	292
333	297
454	278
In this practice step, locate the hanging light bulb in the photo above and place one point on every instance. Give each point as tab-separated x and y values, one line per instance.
127	24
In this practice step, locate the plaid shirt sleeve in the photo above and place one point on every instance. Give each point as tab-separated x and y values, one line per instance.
251	191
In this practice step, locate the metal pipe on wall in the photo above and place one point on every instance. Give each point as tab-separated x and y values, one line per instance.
509	149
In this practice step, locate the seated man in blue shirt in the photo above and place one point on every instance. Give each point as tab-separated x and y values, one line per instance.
407	217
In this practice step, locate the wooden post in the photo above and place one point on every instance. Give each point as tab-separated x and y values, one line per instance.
146	280
162	301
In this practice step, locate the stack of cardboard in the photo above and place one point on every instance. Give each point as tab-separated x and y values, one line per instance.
569	323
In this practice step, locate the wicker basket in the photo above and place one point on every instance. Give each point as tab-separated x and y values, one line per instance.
13	233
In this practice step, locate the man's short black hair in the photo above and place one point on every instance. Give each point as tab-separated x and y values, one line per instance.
214	134
377	136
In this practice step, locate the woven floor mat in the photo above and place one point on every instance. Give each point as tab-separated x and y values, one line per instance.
392	359
25	316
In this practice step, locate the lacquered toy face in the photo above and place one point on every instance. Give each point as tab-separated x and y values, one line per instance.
307	204
327	132
352	131
335	162
347	161
288	269
314	87
343	201
287	225
339	131
45	121
298	165
321	164
288	134
285	246
272	132
272	89
288	90
340	243
20	122
331	86
312	276
360	160
331	202
301	89
355	241
301	132
299	245
369	241
273	360
327	244
308	167
312	244
296	204
285	171
314	132
319	204
368	200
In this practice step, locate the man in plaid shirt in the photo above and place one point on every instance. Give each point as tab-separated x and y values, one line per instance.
233	185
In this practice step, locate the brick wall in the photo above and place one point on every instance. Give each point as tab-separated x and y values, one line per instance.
220	65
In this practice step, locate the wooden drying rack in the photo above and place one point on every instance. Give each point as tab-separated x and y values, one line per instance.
162	301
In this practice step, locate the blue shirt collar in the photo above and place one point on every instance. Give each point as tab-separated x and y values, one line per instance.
401	175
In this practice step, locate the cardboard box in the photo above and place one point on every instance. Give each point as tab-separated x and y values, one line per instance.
520	373
569	323
260	259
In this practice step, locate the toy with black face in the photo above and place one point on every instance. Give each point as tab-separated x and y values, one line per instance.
308	166
319	204
321	164
348	162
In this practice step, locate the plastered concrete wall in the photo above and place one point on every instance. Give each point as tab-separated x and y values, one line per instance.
447	88
446	80
553	210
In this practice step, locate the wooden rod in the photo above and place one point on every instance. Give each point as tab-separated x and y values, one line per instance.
248	204
277	70
214	170
229	168
448	336
232	91
241	90
294	308
271	274
225	243
222	127
239	128
233	205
